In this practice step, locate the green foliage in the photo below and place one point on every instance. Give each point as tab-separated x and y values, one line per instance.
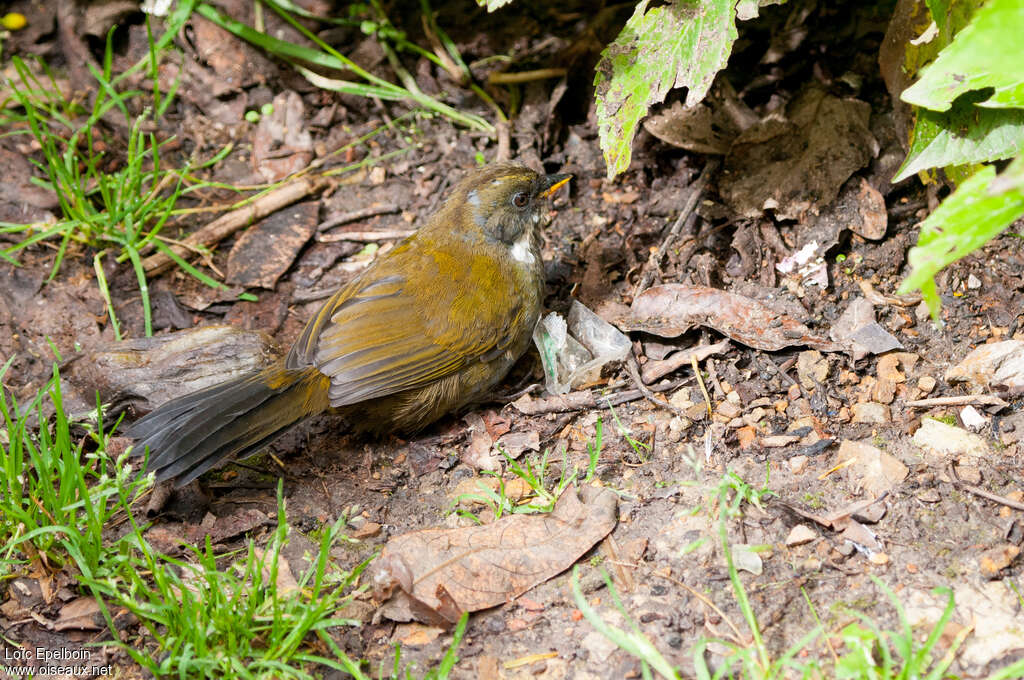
986	55
680	44
970	110
978	210
121	210
873	653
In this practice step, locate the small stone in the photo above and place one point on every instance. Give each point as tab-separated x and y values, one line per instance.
800	534
729	409
870	412
878	558
746	436
973	420
929	496
780	406
733	397
811	368
926	384
973	282
775	441
969	473
368	530
873	470
798	464
994	560
744	557
941	440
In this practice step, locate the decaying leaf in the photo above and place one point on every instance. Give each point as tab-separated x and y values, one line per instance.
796	166
678	44
436	574
672	309
267	249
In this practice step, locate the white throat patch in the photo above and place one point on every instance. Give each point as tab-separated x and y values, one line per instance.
521	251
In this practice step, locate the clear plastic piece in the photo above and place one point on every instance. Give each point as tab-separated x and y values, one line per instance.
574	352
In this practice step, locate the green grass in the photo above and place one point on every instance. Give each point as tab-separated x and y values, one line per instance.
119	210
312	62
66	505
534	471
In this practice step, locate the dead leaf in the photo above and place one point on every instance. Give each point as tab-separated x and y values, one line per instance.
796	166
673	309
267	249
478	567
282	146
82	613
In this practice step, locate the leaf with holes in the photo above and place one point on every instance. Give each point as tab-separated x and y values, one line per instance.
680	44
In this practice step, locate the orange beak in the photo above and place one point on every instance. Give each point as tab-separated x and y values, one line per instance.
553	183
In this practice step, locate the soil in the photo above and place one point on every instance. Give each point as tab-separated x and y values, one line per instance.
664	554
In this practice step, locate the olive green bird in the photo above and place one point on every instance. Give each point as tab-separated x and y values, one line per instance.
427	328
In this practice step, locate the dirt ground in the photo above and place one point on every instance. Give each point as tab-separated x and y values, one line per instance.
789	419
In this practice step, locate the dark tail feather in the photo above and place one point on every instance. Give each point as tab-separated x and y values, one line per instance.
194	433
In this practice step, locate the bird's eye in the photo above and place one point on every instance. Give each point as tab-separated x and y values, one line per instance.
521	199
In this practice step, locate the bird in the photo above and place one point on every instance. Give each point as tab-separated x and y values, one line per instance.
428	328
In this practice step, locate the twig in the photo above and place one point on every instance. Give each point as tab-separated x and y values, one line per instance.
525	76
382	235
657	369
357	215
584	399
977	491
696	191
504	151
634	373
224	226
961	400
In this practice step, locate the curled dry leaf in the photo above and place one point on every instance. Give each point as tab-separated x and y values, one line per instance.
436	574
672	309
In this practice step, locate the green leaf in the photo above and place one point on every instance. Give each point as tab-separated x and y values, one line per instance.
976	212
987	53
681	44
964	134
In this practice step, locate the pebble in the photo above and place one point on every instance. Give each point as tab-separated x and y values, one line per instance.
941	440
798	464
994	560
800	534
926	384
973	420
870	412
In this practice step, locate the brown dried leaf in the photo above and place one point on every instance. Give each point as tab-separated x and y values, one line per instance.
267	249
82	613
797	166
673	309
447	571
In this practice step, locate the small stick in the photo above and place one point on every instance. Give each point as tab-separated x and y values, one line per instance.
382	235
634	373
961	400
696	191
657	369
224	226
525	76
357	215
577	401
977	491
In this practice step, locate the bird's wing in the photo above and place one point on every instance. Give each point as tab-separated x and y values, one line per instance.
382	335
